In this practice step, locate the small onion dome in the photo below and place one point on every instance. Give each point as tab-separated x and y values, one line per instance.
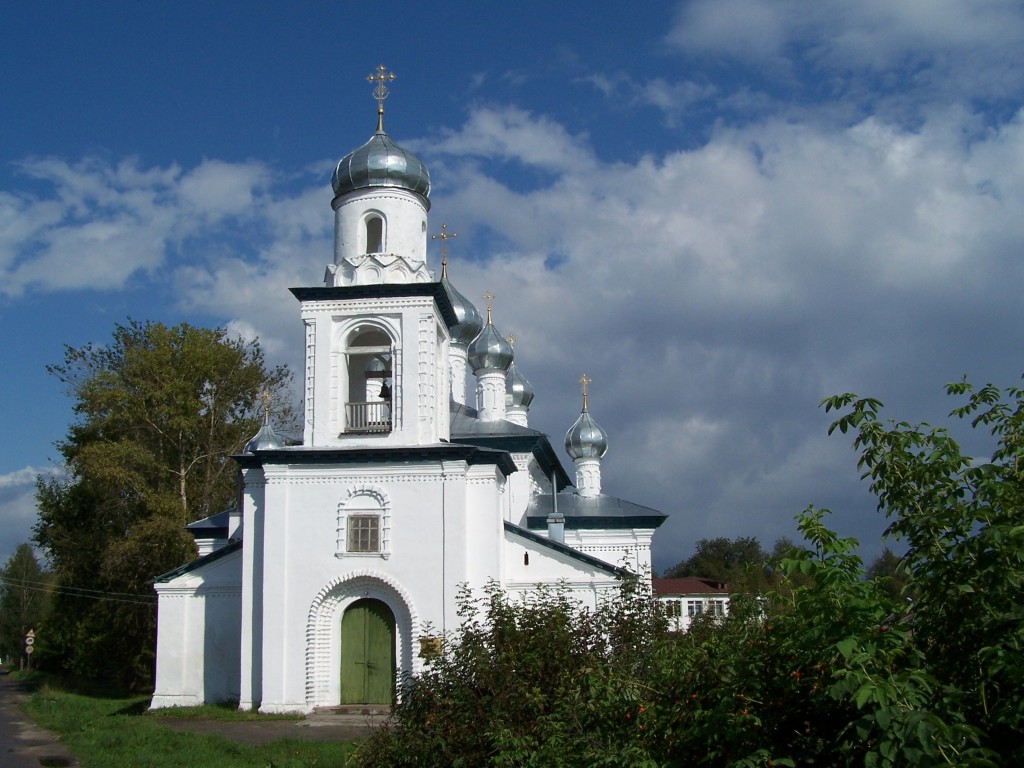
489	351
264	440
518	391
469	322
585	439
381	163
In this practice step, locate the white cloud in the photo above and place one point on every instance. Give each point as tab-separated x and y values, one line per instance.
512	134
17	508
101	224
935	46
216	189
714	294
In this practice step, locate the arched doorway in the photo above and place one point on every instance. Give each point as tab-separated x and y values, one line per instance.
367	653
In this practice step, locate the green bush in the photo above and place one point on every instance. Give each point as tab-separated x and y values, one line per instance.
829	669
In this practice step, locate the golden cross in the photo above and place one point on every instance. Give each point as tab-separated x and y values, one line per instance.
443	236
487	297
380	91
266	405
512	341
584	380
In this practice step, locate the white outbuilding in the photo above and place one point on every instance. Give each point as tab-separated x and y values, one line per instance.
346	552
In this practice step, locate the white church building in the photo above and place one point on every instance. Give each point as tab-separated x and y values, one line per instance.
342	561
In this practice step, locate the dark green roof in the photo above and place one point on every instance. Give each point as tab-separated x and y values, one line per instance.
217	554
600	512
565	549
466	428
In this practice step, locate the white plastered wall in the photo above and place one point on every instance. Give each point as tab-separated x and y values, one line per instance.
198	629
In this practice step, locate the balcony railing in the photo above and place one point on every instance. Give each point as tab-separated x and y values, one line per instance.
368	417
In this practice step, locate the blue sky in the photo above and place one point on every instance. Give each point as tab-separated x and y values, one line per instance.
721	210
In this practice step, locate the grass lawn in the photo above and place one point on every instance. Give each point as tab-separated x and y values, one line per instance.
119	733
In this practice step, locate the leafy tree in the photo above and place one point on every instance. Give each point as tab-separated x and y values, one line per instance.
740	563
961	521
24	597
887	570
160	410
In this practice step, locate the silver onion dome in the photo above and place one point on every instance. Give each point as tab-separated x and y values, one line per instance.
381	163
489	351
518	391
585	439
469	322
266	439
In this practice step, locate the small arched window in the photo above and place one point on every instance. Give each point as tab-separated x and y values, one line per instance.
374	234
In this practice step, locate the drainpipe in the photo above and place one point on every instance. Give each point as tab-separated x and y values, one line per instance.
556	520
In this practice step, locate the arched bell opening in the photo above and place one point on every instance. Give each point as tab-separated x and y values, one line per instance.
368	407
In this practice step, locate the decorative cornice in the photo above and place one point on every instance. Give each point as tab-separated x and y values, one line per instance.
398	455
351	293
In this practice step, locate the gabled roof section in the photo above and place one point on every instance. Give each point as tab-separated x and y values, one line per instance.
382	291
466	428
688	585
600	512
565	549
217	554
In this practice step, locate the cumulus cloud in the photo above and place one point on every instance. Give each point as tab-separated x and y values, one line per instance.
512	134
17	508
714	294
98	224
899	57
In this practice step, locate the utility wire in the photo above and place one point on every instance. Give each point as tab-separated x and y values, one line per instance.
92	594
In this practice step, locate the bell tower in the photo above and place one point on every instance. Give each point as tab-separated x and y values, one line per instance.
377	333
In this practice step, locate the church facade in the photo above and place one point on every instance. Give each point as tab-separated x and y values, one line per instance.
341	564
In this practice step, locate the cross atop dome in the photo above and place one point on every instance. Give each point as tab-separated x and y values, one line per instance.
444	236
380	91
488	297
584	380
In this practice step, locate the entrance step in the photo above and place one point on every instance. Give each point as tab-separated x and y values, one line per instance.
350	714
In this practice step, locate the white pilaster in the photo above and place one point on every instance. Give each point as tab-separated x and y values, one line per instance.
457	365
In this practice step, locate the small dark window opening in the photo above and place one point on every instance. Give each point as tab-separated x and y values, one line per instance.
374	234
526	558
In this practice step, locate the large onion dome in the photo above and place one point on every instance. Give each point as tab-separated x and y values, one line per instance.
469	322
518	391
585	439
489	350
381	163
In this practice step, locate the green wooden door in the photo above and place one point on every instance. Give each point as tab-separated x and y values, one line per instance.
367	653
